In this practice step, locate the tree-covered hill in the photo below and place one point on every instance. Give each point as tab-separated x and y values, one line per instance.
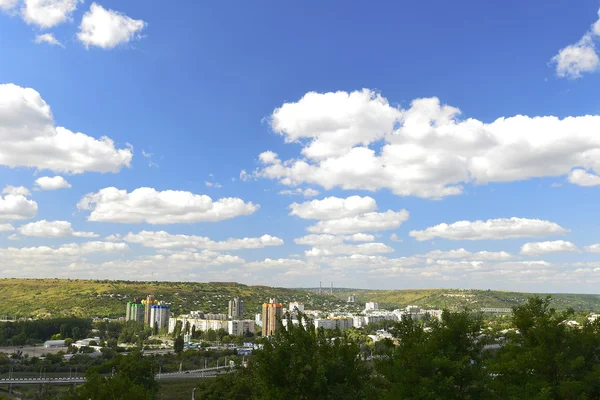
87	298
457	299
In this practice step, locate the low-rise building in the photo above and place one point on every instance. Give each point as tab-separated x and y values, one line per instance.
54	343
333	323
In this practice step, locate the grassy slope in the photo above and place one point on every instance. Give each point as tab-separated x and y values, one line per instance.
54	297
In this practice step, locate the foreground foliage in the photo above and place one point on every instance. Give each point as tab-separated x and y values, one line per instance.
544	357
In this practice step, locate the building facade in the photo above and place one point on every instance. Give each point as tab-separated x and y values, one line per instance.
148	303
296	307
159	316
236	308
271	315
240	327
333	323
371	306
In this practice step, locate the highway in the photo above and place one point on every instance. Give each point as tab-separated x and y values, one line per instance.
198	373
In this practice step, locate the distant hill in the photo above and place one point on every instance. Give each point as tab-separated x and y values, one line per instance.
103	298
454	299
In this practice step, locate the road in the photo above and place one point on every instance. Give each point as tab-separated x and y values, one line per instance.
198	373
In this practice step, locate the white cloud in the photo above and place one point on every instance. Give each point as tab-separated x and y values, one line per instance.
52	183
501	228
17	207
147	205
464	254
108	28
7	5
49	39
281	264
557	246
330	240
48	13
360	237
594	248
165	240
52	229
299	192
581	57
16	190
395	238
583	178
363	248
6	228
33	257
333	122
29	138
428	151
213	184
333	207
367	222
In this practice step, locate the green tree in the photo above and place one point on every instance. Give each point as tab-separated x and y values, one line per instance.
76	333
187	327
178	344
129	377
301	363
443	360
211	335
546	358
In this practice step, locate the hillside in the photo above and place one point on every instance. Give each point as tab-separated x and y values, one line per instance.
87	298
454	299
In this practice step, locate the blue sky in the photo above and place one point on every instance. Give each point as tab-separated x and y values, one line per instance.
381	120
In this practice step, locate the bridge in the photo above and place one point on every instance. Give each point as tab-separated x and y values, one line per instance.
197	373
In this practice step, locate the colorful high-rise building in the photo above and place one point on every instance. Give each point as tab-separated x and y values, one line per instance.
148	303
159	315
134	310
271	315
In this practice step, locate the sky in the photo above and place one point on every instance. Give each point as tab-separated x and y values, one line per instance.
399	145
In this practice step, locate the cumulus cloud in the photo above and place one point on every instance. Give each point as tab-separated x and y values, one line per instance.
299	192
368	222
581	57
16	190
583	178
465	254
426	150
7	5
48	13
48	38
594	248
395	238
147	205
29	138
557	246
6	228
108	28
33	257
501	228
165	240
329	240
52	183
17	207
363	248
52	229
334	207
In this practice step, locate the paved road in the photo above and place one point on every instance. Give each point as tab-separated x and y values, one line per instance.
199	373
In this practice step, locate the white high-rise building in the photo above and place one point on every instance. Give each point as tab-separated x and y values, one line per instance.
371	306
240	327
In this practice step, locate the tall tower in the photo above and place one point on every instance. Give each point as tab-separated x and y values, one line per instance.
149	302
271	314
236	308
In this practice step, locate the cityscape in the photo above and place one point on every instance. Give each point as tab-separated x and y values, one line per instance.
316	200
